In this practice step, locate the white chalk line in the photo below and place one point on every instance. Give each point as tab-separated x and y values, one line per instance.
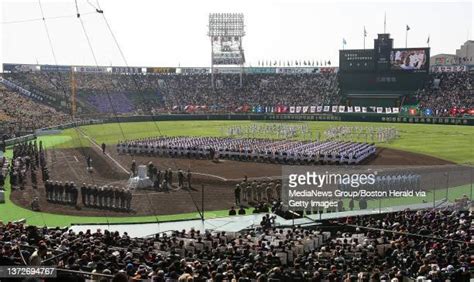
100	149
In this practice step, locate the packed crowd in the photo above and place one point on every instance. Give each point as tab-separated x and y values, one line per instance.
425	244
247	149
165	93
446	91
20	115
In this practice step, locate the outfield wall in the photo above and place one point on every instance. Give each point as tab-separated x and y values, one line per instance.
369	117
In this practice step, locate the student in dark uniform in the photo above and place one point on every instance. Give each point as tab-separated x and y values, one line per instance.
128	200
123	199
232	211
134	168
188	176
237	193
83	194
100	197
95	194
180	178
74	194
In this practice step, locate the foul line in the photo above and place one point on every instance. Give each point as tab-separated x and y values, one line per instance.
100	149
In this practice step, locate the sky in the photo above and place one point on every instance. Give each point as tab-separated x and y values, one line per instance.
174	32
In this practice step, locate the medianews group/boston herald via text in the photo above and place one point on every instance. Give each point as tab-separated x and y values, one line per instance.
354	194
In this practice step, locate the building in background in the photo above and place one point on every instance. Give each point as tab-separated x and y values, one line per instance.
465	53
444	60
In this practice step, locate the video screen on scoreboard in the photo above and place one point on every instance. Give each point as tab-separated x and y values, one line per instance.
409	59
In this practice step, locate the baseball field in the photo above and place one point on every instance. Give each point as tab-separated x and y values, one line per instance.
417	143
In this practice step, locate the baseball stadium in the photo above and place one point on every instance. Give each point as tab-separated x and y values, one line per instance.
354	167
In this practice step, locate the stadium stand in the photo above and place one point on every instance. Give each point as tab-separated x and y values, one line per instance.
163	93
428	244
446	91
20	115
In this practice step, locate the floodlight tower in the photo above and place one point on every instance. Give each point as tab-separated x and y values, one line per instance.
226	31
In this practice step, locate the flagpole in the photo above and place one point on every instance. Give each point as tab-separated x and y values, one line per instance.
406	37
385	23
364	37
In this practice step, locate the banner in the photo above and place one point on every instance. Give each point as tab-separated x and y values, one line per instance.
328	70
228	70
254	70
90	69
15	68
51	68
296	70
161	70
342	109
194	70
409	110
126	70
438	69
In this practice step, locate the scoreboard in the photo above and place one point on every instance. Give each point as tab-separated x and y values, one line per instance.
356	61
384	68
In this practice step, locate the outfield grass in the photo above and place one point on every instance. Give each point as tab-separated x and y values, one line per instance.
449	142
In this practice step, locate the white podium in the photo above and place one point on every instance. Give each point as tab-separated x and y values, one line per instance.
140	181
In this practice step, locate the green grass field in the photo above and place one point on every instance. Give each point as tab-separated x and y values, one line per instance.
449	142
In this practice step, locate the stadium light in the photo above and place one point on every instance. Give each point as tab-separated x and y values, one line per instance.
226	31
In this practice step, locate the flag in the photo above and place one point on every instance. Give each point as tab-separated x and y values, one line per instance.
408	28
428	40
344	42
365	32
